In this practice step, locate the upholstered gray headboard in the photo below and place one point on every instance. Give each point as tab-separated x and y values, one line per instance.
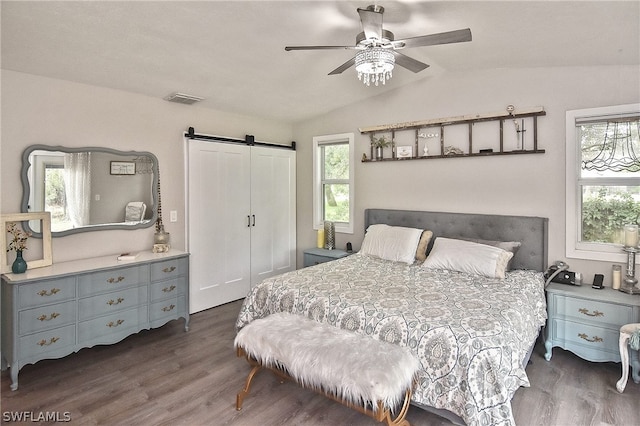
530	231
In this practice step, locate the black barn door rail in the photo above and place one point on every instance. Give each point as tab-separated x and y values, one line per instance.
248	140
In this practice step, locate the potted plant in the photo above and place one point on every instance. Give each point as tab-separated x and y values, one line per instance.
19	244
379	144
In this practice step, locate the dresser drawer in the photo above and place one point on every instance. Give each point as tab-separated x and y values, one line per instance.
164	289
116	301
116	324
110	280
596	312
46	317
167	309
169	269
47	341
50	291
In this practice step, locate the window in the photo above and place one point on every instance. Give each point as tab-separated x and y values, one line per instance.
333	187
603	180
55	197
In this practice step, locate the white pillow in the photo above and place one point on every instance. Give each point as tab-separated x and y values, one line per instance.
395	243
467	256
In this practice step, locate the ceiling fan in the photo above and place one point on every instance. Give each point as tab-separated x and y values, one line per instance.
378	51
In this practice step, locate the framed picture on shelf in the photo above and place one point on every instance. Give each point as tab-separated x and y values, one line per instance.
405	151
123	168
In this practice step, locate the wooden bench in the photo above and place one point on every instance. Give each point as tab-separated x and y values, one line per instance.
368	375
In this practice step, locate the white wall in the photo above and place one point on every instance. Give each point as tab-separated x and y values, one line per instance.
530	185
38	110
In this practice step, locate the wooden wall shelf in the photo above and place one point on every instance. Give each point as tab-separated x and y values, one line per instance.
442	123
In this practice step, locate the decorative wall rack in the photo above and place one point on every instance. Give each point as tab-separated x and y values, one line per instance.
411	150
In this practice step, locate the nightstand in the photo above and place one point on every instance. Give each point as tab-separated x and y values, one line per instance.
315	256
587	321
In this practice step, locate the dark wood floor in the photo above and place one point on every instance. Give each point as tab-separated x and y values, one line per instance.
169	377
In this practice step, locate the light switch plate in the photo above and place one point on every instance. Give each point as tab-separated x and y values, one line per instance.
173	216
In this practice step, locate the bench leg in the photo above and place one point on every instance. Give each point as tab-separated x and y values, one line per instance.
400	418
247	386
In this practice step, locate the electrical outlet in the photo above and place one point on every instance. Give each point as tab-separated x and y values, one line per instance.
173	216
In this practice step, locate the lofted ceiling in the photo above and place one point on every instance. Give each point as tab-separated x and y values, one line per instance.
232	52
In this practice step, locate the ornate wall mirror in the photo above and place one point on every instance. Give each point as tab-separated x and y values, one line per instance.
89	189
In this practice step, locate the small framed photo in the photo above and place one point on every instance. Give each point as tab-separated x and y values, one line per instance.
405	151
123	168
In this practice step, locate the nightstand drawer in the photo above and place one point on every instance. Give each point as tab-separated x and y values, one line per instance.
590	342
597	312
585	334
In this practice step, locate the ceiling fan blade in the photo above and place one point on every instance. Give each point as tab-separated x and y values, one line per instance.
457	36
371	19
288	48
351	62
409	63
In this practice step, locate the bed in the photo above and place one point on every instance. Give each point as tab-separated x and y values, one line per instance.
472	333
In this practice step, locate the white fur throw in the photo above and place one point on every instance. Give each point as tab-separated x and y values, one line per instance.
355	368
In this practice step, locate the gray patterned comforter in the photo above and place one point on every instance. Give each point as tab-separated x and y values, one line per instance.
470	333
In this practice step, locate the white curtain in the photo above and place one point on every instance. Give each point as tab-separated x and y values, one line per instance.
77	183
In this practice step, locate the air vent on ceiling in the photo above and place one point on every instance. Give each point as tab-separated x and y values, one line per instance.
182	98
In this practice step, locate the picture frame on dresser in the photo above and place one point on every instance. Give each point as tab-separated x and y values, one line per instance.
45	224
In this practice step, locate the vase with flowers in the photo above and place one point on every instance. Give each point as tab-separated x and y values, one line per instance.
379	144
19	244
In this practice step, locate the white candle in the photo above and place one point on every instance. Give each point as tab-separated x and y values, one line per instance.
617	277
631	235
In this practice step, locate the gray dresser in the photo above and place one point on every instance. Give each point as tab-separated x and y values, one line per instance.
57	310
587	321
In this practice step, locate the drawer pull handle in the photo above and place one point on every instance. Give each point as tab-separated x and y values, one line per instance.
595	339
51	341
115	302
169	269
48	293
169	308
169	289
43	317
115	280
594	314
115	324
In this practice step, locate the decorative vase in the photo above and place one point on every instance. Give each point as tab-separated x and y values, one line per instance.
378	153
19	265
329	235
161	237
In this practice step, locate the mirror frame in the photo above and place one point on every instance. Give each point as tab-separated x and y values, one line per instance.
26	188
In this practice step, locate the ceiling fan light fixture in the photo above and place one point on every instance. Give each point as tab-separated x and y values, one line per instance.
375	65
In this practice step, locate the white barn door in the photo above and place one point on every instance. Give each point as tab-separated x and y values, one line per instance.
273	205
219	232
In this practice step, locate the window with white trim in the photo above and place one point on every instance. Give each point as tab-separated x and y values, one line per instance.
333	181
603	180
